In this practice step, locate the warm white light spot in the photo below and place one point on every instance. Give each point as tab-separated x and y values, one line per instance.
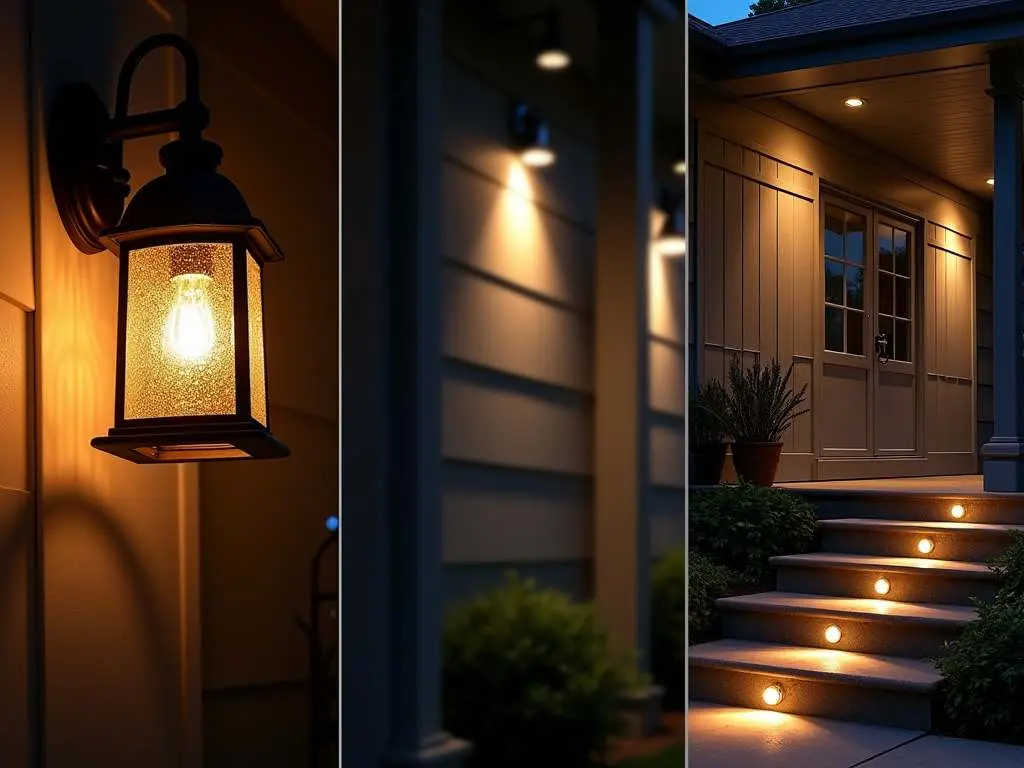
553	59
882	586
772	695
990	182
855	102
957	511
925	546
833	634
537	157
672	246
189	333
679	169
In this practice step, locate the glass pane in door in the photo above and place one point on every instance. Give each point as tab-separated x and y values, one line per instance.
844	281
895	291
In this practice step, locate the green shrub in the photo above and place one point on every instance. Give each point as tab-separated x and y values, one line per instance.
984	668
669	615
708	582
529	676
742	526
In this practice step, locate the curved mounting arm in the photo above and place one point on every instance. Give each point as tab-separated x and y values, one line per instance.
188	118
85	145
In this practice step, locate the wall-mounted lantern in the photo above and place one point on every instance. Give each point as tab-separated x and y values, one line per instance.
191	381
530	137
671	239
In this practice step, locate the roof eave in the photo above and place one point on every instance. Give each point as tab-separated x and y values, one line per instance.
967	26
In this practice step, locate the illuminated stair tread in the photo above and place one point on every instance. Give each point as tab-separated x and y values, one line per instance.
849	607
819	664
919	565
913	526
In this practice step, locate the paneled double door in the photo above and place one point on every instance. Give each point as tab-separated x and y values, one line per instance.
870	314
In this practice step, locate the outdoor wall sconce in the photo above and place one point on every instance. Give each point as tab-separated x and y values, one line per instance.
191	381
671	240
551	53
530	137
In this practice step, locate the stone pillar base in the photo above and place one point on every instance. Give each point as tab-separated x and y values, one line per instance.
442	750
1003	465
643	711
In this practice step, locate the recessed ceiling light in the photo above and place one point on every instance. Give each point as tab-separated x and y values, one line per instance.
990	182
855	102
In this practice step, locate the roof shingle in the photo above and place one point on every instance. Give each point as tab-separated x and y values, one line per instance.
828	15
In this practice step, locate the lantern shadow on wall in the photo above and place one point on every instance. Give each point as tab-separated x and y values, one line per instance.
191	382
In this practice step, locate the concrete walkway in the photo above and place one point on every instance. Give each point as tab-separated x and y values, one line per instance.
727	737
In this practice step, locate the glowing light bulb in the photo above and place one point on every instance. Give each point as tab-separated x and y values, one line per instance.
772	695
189	333
882	586
833	634
537	157
924	546
957	511
553	59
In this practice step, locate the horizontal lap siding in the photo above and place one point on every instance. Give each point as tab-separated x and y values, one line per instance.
517	253
758	269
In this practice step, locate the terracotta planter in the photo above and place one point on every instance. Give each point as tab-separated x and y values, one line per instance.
706	463
757	462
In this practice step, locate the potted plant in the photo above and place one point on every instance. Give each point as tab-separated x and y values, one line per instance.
708	442
761	407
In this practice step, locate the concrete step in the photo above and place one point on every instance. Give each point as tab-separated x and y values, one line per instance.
922	507
910	580
843	685
865	625
976	542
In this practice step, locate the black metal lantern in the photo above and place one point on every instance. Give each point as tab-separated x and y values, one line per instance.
191	381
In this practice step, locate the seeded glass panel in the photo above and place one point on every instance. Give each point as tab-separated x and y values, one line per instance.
834	329
257	370
179	333
855	287
833	282
855	333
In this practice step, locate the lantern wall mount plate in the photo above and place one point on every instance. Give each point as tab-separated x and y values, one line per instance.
191	381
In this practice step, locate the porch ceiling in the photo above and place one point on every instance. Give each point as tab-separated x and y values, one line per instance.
930	109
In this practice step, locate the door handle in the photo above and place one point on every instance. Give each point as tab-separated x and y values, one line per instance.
882	348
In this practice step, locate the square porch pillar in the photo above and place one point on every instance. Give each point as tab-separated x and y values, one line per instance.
391	528
1004	454
625	194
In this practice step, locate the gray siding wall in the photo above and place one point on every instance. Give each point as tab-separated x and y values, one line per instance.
517	341
517	264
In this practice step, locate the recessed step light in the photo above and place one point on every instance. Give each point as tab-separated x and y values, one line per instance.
772	695
882	586
925	546
957	511
833	634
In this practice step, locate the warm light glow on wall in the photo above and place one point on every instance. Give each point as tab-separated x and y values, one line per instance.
957	511
772	695
925	546
833	634
882	586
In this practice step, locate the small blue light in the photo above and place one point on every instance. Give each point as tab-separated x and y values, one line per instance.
332	523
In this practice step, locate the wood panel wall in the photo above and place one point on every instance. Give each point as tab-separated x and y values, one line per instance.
758	272
758	240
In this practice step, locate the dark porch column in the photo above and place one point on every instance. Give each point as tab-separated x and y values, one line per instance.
1004	454
625	196
391	372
